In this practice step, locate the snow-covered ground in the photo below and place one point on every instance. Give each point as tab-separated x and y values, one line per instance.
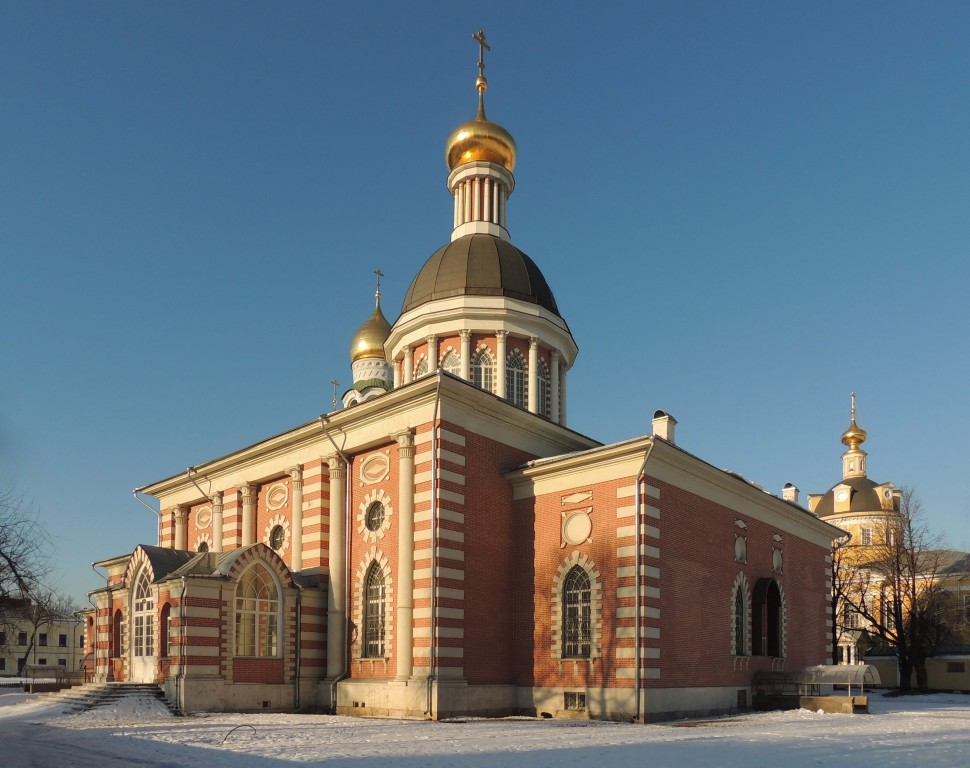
918	731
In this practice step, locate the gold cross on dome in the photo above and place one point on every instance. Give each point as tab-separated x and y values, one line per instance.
379	276
482	47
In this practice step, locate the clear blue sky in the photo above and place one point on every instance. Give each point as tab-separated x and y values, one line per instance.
746	211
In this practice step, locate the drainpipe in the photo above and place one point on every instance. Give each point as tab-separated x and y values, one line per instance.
156	512
180	678
346	563
639	518
434	542
299	649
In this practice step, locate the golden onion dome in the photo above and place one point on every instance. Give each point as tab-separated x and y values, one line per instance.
855	435
369	340
480	139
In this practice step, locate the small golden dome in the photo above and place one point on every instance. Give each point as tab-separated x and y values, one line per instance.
369	340
855	435
480	139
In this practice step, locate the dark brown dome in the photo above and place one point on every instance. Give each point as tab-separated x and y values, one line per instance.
480	265
863	497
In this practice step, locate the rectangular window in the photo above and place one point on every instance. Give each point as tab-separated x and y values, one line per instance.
889	613
3	664
21	638
956	667
3	639
42	641
62	641
62	662
866	537
574	700
42	662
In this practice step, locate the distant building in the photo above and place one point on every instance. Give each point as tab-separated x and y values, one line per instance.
872	516
32	637
445	545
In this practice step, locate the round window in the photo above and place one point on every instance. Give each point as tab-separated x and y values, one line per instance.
277	537
375	516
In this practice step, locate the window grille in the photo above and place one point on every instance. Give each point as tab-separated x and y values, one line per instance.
577	614
483	371
374	604
451	364
257	614
574	700
740	646
515	379
144	617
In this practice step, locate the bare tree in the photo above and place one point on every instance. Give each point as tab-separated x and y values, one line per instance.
894	585
23	563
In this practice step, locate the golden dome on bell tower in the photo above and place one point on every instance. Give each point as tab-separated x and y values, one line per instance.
855	435
481	139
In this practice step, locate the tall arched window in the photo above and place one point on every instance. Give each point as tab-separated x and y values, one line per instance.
740	623
143	612
767	619
421	369
576	614
515	379
543	380
116	635
374	606
164	630
257	613
483	370
451	363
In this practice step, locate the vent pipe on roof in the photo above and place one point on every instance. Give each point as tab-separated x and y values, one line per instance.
664	425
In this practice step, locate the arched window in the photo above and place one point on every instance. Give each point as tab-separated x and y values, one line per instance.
165	630
143	612
515	379
767	619
740	623
203	546
543	380
451	363
483	370
421	369
374	604
257	613
116	635
576	614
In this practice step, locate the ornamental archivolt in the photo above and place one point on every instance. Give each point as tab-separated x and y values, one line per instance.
277	495
374	515
276	534
203	539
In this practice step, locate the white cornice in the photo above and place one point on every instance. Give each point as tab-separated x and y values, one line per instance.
369	424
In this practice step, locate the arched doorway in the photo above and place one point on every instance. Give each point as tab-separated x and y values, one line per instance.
144	662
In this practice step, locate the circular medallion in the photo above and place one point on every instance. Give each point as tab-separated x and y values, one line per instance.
203	517
842	495
577	527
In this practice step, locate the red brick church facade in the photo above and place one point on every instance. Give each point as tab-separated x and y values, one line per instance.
445	545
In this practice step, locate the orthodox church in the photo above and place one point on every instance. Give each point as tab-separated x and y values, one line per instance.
444	545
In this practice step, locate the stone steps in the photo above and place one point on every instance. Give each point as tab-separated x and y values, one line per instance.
90	695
